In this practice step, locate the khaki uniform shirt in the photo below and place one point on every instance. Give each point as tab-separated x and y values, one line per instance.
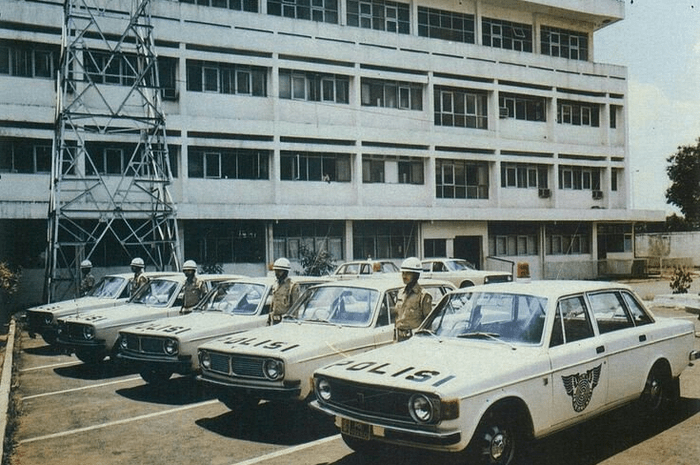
412	307
86	284
192	293
283	296
137	281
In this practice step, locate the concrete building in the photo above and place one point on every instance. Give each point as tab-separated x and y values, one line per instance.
481	129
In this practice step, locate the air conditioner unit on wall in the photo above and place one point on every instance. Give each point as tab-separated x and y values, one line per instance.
597	195
503	112
544	193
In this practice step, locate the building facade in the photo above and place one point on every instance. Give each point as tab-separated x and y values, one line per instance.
481	129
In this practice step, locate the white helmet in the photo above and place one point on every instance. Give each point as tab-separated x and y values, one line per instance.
86	264
282	264
189	265
412	264
137	262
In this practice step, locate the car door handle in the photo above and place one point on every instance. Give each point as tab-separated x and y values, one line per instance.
600	349
642	338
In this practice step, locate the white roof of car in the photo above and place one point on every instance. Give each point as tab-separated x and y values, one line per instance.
547	288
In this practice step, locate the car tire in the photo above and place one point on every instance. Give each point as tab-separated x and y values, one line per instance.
497	440
155	376
661	392
90	357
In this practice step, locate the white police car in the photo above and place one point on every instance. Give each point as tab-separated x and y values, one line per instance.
496	365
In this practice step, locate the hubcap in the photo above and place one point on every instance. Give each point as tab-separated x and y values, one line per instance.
498	446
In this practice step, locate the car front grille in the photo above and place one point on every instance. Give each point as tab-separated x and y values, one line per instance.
144	344
370	400
73	331
236	365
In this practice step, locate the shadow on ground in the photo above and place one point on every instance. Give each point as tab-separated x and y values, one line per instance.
273	423
181	390
102	370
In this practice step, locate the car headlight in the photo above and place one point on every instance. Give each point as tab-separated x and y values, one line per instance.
323	389
123	342
170	346
273	369
48	319
421	409
88	333
204	359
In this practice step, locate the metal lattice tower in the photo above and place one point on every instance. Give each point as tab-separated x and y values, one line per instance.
108	95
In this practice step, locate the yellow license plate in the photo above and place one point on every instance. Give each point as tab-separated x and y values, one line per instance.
355	429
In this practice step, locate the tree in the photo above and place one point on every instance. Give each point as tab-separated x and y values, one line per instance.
684	172
316	263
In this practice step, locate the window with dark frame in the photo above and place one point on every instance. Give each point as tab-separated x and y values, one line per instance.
381	15
461	179
315	166
314	87
522	107
506	34
28	59
225	163
392	94
324	11
446	25
564	43
578	113
226	78
460	108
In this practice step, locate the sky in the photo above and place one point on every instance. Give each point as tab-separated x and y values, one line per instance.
659	43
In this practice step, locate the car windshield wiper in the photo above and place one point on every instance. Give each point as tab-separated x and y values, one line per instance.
485	335
426	331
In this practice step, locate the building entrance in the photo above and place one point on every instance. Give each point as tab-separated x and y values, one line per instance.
469	248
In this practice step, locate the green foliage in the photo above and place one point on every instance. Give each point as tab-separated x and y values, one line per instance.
684	172
681	280
316	263
9	279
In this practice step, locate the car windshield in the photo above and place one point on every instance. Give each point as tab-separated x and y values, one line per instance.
108	287
347	306
237	298
156	293
458	265
490	315
389	267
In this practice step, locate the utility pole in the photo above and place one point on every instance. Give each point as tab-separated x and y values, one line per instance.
111	168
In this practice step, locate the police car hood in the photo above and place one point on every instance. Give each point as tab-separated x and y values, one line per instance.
120	315
68	307
295	341
448	367
197	325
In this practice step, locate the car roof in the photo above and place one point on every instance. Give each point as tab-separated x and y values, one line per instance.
382	282
548	288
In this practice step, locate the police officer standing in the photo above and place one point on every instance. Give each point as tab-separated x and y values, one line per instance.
284	293
139	279
193	290
413	303
87	280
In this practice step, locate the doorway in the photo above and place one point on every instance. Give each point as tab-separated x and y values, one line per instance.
469	249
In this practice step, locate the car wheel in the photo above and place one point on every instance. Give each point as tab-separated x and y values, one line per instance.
155	376
496	441
242	405
90	357
660	392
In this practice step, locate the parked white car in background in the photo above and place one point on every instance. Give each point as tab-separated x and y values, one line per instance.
461	273
92	336
496	365
110	291
330	322
165	346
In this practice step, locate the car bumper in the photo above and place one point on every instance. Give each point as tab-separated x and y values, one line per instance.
434	440
287	391
181	365
73	345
